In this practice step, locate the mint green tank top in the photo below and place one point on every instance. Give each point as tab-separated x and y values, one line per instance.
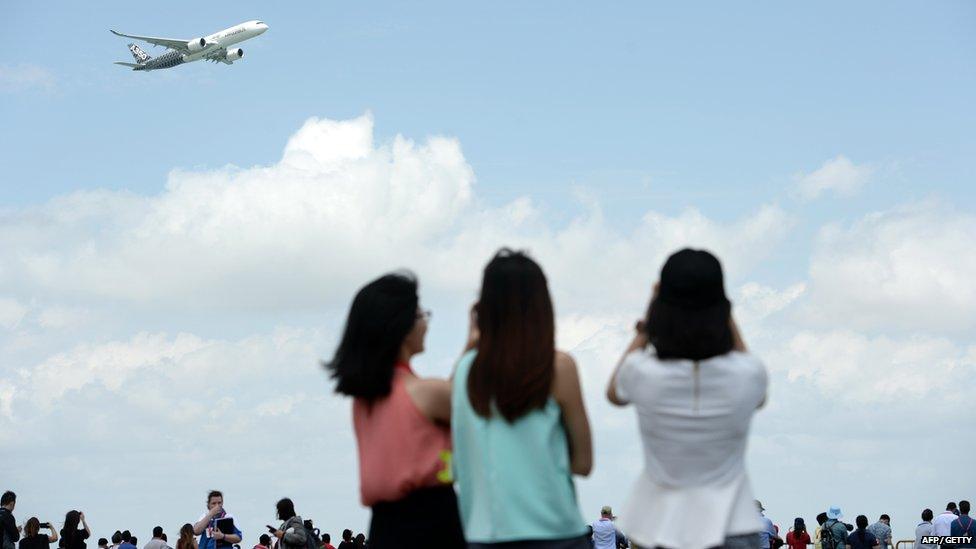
513	480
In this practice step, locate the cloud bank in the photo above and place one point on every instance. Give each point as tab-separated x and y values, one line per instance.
185	327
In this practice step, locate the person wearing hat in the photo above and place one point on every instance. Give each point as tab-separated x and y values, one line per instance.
768	532
833	535
605	534
695	388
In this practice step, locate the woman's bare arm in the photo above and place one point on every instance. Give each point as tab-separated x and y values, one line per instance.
569	396
639	342
432	397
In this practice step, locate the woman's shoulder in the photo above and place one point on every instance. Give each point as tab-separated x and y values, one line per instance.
743	361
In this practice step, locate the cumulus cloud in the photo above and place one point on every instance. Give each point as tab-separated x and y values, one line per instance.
853	367
336	209
12	312
215	251
838	175
909	268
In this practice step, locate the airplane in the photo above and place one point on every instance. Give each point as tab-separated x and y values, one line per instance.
215	47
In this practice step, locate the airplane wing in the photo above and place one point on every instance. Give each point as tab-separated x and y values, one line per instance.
171	43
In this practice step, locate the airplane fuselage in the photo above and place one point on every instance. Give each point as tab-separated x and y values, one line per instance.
207	45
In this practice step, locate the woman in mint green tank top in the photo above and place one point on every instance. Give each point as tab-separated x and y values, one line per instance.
518	422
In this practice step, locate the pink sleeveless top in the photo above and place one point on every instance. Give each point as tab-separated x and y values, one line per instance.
400	449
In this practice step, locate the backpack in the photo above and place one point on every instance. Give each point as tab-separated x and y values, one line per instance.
827	540
311	535
312	539
7	542
965	532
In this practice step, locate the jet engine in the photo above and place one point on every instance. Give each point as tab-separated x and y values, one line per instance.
235	54
197	44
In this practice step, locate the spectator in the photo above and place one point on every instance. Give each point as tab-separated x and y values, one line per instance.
833	535
404	456
127	541
882	531
518	419
187	539
798	538
210	536
11	531
861	538
102	543
75	531
291	533
768	531
116	540
360	541
264	542
821	519
942	525
157	541
605	535
34	539
963	525
327	542
695	389
346	542
134	541
923	529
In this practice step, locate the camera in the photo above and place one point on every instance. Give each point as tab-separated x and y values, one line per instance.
45	525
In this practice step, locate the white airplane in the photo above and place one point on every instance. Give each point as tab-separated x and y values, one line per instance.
215	47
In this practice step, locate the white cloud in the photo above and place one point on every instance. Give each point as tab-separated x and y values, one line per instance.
58	317
302	233
216	253
910	268
25	77
280	405
838	175
754	301
12	312
848	366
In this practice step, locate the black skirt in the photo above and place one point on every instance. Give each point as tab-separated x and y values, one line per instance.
425	518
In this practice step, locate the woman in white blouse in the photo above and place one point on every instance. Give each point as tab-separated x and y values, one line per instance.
695	388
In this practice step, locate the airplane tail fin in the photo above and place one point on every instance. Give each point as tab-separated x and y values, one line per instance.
140	56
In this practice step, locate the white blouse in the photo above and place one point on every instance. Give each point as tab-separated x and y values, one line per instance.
694	422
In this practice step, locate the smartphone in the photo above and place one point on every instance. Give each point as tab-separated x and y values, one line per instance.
270	528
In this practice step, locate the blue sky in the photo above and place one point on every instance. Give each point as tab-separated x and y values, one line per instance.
156	224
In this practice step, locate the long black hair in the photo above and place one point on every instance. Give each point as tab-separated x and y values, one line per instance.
799	527
689	318
515	365
380	318
70	530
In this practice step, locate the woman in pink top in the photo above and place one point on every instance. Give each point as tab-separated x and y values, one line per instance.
402	422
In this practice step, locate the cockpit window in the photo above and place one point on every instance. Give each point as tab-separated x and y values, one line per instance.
260	22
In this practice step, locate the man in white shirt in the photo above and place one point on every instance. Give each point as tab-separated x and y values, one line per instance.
924	529
157	542
605	534
942	525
